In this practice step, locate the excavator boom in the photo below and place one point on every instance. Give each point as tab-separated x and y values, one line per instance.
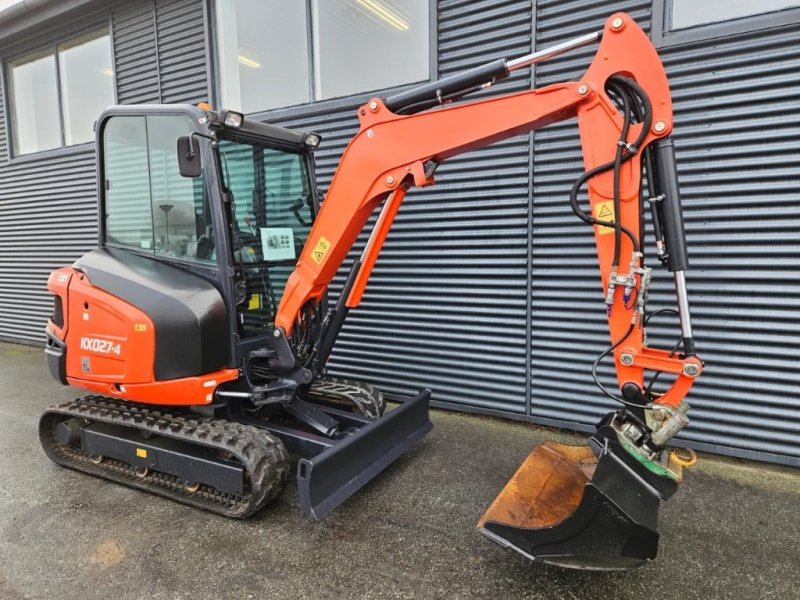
592	507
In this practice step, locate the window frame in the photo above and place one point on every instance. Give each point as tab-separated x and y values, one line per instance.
315	104
663	36
51	47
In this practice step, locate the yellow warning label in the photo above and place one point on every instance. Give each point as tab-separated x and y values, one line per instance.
139	327
320	250
604	211
255	302
141	453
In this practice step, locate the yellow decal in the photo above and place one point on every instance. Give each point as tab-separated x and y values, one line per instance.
255	302
141	453
139	327
604	211
320	250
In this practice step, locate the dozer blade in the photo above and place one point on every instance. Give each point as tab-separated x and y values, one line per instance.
585	507
329	478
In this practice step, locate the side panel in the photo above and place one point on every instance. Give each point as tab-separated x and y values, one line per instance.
187	391
108	340
188	313
108	346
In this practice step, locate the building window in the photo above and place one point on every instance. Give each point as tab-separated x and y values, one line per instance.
679	21
689	13
274	53
56	94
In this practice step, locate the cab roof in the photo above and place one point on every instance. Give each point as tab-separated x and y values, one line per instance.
208	122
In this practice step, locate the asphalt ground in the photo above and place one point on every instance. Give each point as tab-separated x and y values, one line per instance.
732	531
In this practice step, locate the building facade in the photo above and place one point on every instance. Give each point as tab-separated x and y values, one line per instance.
487	289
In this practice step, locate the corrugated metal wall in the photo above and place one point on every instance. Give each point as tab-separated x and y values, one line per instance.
450	304
181	51
737	121
48	215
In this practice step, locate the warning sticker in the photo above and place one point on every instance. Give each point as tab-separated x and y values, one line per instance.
604	211
141	453
320	250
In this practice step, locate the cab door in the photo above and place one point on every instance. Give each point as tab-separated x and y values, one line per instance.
272	206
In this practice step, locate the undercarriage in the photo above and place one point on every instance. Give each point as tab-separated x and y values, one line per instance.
233	461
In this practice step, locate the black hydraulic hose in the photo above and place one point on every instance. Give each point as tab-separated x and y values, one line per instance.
597	362
643	110
677	345
618	82
639	113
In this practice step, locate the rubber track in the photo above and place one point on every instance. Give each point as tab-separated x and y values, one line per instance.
366	397
263	456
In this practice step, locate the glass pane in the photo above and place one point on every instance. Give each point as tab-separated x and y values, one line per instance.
263	50
180	214
688	13
34	103
273	211
127	183
87	84
364	45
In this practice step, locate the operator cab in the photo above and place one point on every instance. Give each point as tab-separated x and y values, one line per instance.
213	194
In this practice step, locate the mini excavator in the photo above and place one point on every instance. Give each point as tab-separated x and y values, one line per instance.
202	328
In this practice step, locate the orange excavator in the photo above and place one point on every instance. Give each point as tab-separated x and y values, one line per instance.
202	328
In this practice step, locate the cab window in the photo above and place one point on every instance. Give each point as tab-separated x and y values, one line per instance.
148	205
272	211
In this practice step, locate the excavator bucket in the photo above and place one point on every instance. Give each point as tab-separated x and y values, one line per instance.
585	507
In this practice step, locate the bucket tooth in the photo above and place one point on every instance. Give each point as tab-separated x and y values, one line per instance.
587	507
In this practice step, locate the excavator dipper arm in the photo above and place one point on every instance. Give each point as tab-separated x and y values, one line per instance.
592	507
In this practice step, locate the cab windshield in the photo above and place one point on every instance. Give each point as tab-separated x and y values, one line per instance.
272	202
272	210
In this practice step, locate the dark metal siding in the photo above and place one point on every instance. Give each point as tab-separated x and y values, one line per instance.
182	51
47	208
135	55
737	122
737	130
48	203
